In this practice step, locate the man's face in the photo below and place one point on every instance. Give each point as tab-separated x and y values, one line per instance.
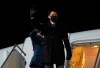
53	13
53	16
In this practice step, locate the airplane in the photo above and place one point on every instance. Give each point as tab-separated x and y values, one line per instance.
85	50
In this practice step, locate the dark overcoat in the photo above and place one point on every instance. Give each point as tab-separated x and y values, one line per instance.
37	42
53	49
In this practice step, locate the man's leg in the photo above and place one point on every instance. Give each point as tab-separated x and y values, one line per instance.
59	65
49	66
33	67
37	67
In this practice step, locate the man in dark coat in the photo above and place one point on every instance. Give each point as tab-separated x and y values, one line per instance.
53	51
37	42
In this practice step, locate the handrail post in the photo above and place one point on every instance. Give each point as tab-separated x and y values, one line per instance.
97	57
21	50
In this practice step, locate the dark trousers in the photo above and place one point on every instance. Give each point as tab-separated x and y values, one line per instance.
34	66
57	66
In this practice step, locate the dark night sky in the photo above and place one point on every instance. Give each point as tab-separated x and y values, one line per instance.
15	25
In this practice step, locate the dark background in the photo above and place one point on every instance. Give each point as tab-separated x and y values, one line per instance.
15	23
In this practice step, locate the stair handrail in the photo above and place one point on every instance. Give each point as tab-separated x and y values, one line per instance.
15	45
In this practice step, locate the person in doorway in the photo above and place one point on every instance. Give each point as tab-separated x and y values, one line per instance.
37	42
55	36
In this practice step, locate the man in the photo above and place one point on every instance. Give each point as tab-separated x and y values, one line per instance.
37	41
55	36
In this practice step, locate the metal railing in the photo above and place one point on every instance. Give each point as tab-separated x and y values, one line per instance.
16	45
96	64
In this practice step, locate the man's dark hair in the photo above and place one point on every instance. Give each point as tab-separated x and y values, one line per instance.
54	9
33	10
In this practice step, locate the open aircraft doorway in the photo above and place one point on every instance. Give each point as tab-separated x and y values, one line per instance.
85	56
